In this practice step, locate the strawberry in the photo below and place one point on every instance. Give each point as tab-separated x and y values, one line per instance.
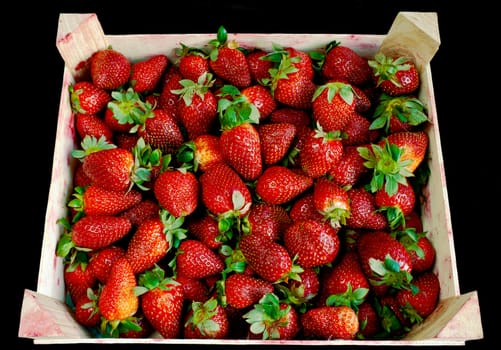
261	98
143	330
364	213
205	229
319	152
312	243
272	319
92	125
370	323
196	105
177	191
194	289
297	117
331	201
267	220
344	283
153	239
350	168
413	146
239	140
146	73
302	292
259	67
167	100
279	184
95	200
398	113
86	309
86	98
303	208
200	153
342	62
223	191
384	261
358	131
276	139
363	102
117	300
270	260
416	306
196	260
79	177
101	261
397	206
99	231
228	62
242	291
122	110
330	322
396	75
109	69
206	320
78	277
146	209
162	302
192	62
333	104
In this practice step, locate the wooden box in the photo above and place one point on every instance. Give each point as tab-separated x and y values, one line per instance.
46	318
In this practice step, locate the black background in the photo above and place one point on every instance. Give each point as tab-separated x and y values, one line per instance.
466	108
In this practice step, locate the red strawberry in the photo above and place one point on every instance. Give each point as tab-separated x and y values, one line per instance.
86	309
92	125
86	98
276	139
344	283
109	69
261	98
350	168
331	201
296	92
153	239
192	62
194	289
319	152
398	113
370	323
177	191
242	291
333	104
144	210
206	320
78	278
397	206
167	100
330	322
121	111
146	73
278	184
99	231
101	261
364	214
384	261
95	200
162	302
358	131
312	243
302	293
267	220
342	62
201	152
117	300
223	191
160	130
297	117
196	260
205	229
272	319
304	209
269	259
416	306
228	62
413	146
395	75
259	66
197	105
363	102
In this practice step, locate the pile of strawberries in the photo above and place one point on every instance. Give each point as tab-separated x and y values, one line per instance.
249	194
